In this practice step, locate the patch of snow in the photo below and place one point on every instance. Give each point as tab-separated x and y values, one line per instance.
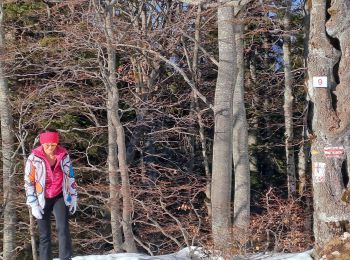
282	256
121	256
196	253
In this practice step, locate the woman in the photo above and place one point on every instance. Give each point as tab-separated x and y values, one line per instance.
50	187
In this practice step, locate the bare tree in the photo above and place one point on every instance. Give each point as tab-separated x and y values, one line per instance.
113	134
196	106
288	104
222	147
7	148
117	137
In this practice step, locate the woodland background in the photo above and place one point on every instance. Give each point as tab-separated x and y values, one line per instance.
55	59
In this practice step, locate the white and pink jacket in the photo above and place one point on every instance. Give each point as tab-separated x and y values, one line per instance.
41	182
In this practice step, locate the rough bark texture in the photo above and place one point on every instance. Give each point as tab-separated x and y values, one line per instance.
9	213
114	180
241	213
113	107
288	106
330	122
222	146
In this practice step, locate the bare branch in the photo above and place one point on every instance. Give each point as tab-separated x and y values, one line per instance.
177	68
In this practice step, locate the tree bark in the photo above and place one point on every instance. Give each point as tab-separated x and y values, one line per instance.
241	214
302	165
113	107
202	136
114	179
9	212
305	145
31	218
330	121
288	106
222	146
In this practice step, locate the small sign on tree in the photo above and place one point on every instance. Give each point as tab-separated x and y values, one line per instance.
319	82
319	172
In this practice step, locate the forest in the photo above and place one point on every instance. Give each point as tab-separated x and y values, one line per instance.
220	124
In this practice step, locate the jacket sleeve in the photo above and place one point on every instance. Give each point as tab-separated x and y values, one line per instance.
71	186
29	182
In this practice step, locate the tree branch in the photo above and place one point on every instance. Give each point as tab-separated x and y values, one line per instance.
177	68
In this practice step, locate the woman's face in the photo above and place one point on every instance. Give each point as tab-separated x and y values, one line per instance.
49	148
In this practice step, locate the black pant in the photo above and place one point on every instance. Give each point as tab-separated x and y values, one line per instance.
60	211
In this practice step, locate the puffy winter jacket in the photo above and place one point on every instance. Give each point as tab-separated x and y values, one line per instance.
35	180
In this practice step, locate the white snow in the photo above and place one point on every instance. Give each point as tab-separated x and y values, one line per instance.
281	256
197	253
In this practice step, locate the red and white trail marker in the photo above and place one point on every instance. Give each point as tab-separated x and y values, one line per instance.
319	82
336	151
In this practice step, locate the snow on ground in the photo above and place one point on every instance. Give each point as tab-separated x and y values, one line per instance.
184	254
279	256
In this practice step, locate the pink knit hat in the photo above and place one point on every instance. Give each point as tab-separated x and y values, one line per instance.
49	137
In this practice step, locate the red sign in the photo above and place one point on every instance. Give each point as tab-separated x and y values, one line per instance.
337	151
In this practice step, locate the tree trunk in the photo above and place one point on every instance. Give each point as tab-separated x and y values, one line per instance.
288	105
222	146
241	214
330	121
253	129
305	145
114	180
31	218
267	161
129	243
202	136
302	165
9	212
113	107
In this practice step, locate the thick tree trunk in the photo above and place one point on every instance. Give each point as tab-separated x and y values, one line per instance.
9	212
222	146
330	121
288	106
241	213
113	107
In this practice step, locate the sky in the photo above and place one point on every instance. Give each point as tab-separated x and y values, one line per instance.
198	254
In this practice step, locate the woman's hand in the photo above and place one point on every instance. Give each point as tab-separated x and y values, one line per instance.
73	205
37	212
